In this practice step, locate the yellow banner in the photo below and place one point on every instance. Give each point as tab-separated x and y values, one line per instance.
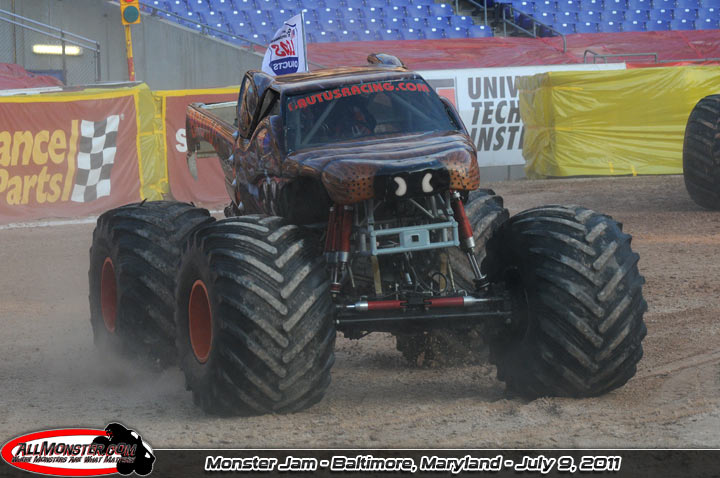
604	123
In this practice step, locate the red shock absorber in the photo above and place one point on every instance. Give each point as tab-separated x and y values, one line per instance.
330	236
467	242
464	226
337	243
364	305
446	302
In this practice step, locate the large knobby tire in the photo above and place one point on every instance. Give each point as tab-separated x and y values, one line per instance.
578	326
448	347
701	153
254	317
133	263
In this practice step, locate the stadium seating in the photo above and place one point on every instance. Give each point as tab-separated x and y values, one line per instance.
586	27
657	25
707	24
633	26
372	20
329	20
610	26
592	4
591	16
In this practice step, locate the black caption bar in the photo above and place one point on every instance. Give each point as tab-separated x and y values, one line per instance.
516	463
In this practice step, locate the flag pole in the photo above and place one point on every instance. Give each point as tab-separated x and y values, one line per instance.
305	43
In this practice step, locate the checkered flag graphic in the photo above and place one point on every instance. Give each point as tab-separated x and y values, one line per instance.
96	155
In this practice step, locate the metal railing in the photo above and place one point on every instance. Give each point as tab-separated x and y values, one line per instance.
630	57
482	6
604	57
534	22
209	30
24	40
201	28
507	8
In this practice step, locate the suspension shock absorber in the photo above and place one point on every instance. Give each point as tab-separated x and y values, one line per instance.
344	237
343	233
467	241
331	255
330	236
337	243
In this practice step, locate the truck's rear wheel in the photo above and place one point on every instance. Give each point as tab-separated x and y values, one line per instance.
579	322
701	153
448	347
133	261
255	332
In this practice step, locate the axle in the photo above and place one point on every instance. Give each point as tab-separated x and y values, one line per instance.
426	303
421	314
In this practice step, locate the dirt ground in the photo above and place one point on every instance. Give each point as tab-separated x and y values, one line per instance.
52	376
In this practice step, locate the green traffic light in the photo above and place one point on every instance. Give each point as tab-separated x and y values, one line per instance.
130	14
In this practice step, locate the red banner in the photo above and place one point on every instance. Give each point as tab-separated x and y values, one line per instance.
67	156
209	187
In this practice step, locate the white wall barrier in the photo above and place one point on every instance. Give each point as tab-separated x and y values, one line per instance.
487	99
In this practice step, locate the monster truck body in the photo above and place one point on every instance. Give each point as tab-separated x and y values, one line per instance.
377	154
301	128
355	207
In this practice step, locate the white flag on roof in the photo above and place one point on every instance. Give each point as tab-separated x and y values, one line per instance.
286	51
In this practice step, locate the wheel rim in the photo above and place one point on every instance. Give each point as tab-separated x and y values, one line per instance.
108	294
200	321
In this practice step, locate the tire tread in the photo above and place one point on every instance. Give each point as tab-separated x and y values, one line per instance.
701	153
147	238
274	311
586	329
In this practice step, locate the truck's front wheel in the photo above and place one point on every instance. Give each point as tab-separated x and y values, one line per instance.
255	332
578	327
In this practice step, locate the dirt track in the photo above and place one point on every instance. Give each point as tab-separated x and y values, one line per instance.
53	377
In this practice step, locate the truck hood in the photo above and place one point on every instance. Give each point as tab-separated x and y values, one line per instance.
353	171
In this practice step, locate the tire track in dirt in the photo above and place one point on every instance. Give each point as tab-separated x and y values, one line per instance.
692	361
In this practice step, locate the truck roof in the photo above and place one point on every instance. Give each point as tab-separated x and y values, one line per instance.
333	77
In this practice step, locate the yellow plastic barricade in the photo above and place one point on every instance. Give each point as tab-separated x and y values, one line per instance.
604	123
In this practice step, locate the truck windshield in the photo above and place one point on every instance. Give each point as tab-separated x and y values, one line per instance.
363	110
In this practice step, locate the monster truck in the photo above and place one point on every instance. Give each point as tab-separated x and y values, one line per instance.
701	153
354	207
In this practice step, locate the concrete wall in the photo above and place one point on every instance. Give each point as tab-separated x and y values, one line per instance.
167	56
491	174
